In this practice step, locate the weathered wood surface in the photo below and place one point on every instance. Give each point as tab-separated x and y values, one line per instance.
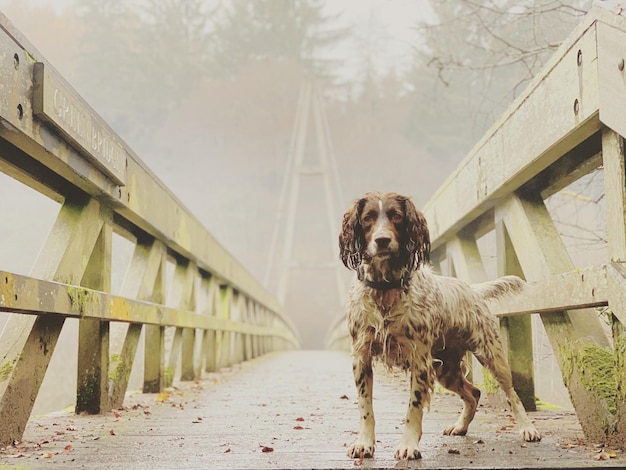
580	90
302	405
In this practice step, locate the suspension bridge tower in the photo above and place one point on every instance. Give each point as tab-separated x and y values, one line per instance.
304	268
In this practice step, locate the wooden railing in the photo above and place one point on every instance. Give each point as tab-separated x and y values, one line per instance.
217	314
570	121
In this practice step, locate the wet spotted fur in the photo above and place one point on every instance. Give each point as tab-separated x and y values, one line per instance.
402	313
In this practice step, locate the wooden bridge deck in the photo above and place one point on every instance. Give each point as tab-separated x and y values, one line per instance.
289	410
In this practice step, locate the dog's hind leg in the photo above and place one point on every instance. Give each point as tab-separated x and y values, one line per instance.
450	375
364	378
492	358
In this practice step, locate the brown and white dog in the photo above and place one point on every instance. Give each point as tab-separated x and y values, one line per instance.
404	314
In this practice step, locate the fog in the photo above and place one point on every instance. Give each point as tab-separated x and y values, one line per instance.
206	93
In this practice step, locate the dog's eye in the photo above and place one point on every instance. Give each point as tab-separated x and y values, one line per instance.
396	218
369	217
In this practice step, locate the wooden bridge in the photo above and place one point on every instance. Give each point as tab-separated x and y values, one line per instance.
224	382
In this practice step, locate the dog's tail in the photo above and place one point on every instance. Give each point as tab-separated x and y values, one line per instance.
501	286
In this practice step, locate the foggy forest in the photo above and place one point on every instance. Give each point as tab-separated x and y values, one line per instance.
206	91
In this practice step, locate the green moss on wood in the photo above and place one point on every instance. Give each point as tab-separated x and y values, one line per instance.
80	298
6	369
88	395
168	376
491	384
118	370
596	369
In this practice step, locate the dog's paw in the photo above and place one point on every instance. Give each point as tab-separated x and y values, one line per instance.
455	430
360	450
530	434
407	452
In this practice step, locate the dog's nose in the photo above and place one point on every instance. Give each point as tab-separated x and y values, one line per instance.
382	242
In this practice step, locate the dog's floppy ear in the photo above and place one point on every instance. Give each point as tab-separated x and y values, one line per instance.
418	240
352	238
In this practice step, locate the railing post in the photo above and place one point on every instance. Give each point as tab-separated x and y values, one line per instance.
188	369
613	158
210	336
517	334
92	393
224	345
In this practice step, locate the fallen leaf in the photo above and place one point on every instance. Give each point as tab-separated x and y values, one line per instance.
602	456
454	451
68	448
298	428
46	456
227	451
344	397
267	449
111	432
300	419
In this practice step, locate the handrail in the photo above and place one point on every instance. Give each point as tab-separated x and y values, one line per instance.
569	121
54	142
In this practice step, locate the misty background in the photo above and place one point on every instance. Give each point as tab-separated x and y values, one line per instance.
206	92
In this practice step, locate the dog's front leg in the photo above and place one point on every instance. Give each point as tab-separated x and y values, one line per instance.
422	380
363	378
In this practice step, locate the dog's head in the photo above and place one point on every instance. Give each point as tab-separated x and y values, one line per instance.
384	226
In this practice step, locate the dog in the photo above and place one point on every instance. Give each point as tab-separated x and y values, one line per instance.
402	313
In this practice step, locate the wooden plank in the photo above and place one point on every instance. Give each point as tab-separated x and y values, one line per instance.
612	72
582	288
22	294
63	108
